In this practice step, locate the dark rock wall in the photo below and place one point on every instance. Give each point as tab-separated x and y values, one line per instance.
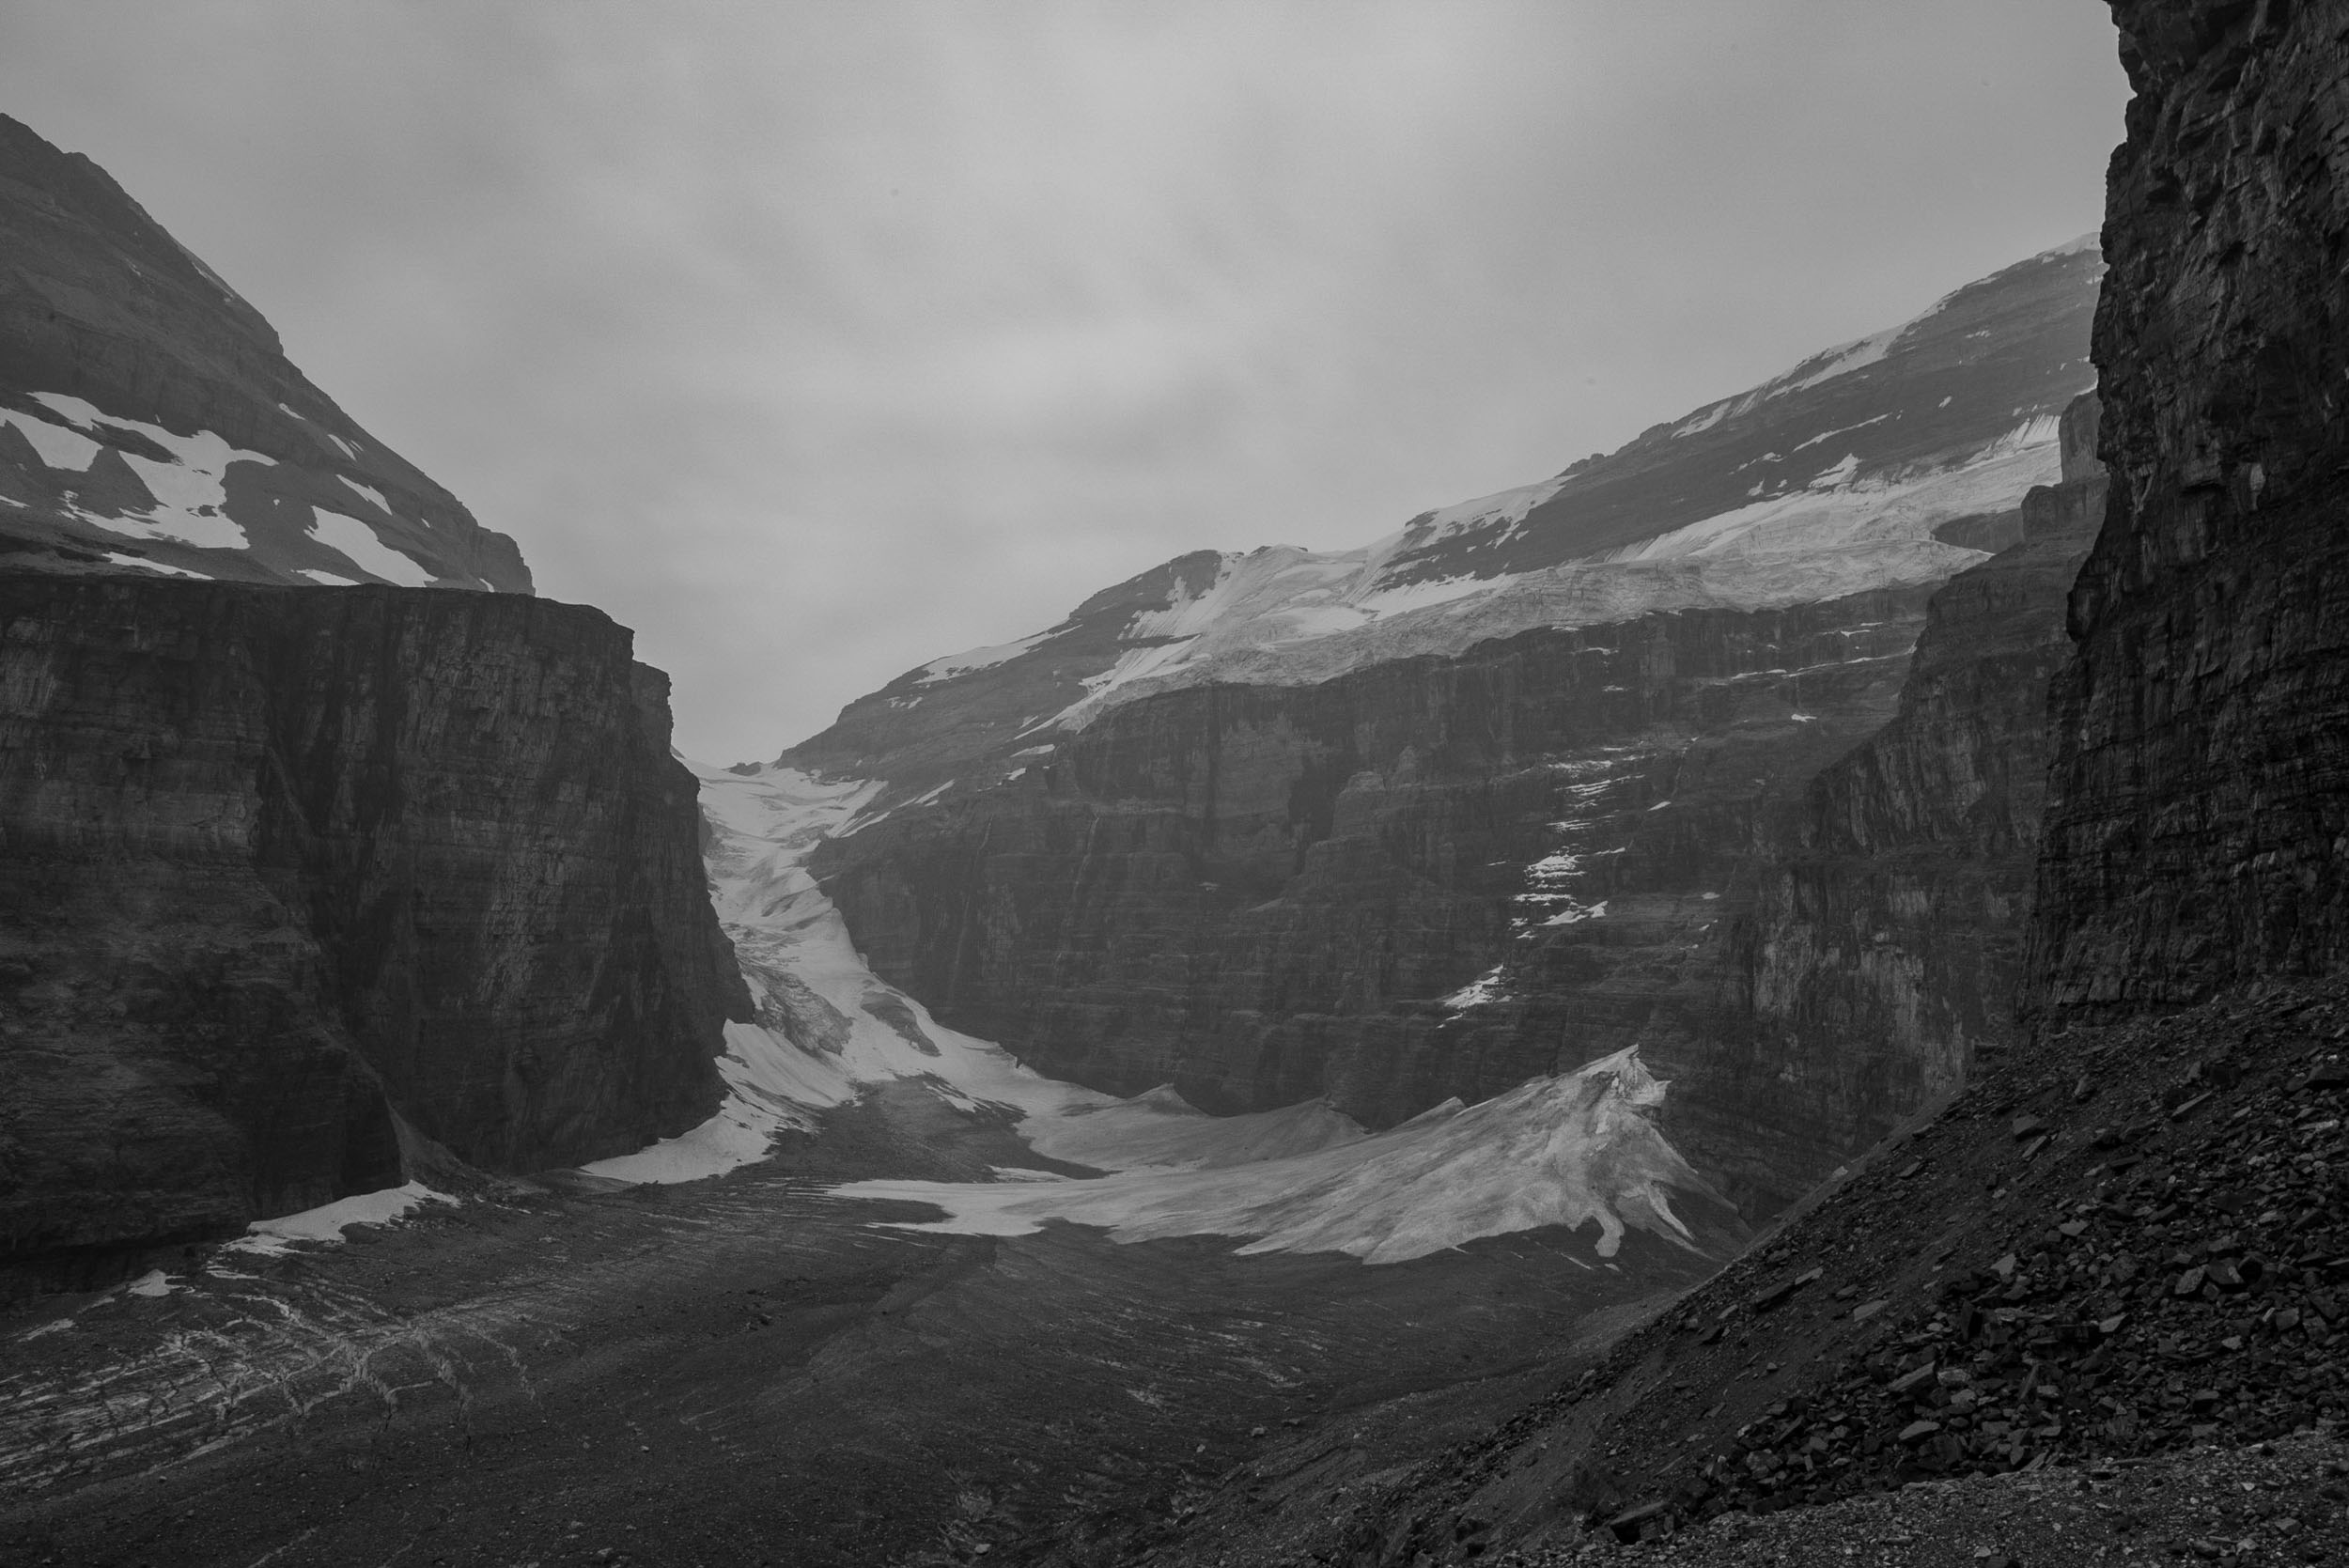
2199	813
1892	932
283	868
1267	894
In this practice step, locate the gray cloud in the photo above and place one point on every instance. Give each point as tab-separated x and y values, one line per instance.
816	339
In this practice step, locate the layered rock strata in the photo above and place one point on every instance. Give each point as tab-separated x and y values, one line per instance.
2198	814
1432	878
289	875
1893	933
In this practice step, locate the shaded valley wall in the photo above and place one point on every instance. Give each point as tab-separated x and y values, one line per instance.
283	868
2198	815
1430	877
1893	931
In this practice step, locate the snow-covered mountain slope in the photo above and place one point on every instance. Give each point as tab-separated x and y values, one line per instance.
1893	461
1575	1149
151	422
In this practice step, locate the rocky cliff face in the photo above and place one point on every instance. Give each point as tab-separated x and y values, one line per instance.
2199	809
288	877
1511	789
150	421
1891	937
1427	879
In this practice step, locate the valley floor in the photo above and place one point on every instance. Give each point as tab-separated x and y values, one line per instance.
746	1371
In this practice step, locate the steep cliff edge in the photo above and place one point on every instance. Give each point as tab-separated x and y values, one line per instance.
151	422
1894	929
2199	812
285	870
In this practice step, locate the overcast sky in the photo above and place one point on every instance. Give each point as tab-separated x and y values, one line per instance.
815	340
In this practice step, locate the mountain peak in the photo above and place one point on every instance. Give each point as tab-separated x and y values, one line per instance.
150	421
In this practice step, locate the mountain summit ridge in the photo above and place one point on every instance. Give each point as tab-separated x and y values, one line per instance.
1897	459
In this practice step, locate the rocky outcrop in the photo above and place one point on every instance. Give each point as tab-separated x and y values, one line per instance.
2198	816
1891	938
150	421
1432	878
291	876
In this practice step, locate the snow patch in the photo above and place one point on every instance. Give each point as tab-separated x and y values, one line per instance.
1484	988
1570	1150
140	563
190	490
325	1223
359	544
979	658
366	493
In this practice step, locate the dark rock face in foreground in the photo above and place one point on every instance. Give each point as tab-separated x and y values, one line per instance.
151	422
284	869
1893	931
2199	811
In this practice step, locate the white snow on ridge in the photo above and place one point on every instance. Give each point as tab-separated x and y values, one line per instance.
363	547
1843	359
1571	1150
978	659
1284	616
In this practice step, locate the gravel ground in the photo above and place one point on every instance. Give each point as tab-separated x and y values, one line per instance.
2285	1501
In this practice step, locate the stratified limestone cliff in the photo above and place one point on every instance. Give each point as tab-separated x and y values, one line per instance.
2199	815
1889	942
1430	877
283	869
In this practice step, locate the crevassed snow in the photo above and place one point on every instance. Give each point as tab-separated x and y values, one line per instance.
1570	1150
360	545
326	1223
